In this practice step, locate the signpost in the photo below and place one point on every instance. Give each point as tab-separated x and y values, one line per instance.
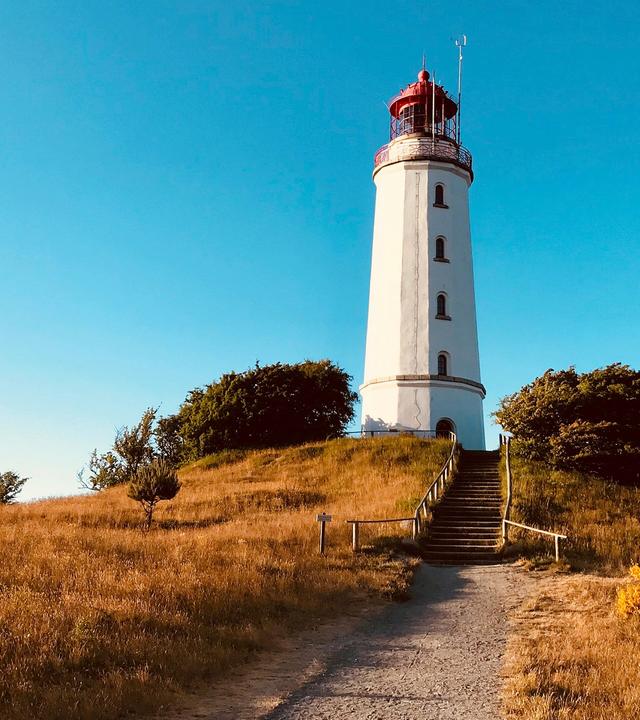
322	518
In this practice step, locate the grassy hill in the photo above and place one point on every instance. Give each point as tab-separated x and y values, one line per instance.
601	519
572	657
98	618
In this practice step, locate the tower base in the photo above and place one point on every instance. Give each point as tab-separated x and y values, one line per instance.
421	402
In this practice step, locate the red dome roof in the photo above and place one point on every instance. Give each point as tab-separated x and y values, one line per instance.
421	92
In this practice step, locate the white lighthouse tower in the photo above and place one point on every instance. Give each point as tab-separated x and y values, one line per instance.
422	370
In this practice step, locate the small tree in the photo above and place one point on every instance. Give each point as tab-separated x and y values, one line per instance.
134	445
151	484
10	485
168	442
133	448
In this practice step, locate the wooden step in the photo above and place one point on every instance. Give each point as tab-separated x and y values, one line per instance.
466	543
466	523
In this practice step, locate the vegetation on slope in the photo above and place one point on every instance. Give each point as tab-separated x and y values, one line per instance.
600	518
572	657
98	618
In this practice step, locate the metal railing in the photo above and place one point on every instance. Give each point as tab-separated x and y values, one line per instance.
424	148
395	432
420	122
505	442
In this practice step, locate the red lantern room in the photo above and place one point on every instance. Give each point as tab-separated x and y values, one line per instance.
423	107
423	110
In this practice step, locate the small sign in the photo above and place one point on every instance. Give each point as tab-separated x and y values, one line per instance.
323	517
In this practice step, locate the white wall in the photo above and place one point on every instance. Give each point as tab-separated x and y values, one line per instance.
404	337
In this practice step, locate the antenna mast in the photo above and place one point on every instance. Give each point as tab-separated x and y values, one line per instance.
433	111
460	43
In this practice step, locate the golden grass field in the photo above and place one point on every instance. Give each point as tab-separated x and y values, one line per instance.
98	618
571	657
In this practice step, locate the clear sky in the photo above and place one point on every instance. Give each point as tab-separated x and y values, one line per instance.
185	188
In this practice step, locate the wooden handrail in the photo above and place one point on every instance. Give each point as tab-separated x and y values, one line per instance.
433	493
383	520
556	536
505	441
355	529
436	488
542	532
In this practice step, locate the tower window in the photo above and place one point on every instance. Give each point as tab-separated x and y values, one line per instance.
442	364
441	250
441	307
439	196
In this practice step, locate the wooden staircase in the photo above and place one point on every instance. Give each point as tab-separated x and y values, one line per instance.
465	529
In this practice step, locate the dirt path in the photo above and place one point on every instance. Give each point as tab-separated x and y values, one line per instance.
437	656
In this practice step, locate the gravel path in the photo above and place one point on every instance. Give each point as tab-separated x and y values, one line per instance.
435	657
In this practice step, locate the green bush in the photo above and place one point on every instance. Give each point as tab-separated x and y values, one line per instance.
587	422
268	406
10	485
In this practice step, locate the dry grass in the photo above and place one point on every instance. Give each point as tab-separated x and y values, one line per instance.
572	657
601	519
97	618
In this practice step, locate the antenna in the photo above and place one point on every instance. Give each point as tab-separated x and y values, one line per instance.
433	111
461	41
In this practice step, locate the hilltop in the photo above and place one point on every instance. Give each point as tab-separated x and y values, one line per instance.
100	618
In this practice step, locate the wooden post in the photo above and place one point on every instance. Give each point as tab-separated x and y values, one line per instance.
322	518
505	532
557	544
355	531
414	530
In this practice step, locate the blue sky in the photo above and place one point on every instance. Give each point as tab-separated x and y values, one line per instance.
185	188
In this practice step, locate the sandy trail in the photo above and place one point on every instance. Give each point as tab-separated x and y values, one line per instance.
437	656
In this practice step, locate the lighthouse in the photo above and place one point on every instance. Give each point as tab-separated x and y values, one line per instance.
422	368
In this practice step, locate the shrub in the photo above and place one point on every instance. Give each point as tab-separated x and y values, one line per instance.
628	598
586	422
268	406
10	485
603	448
133	448
151	484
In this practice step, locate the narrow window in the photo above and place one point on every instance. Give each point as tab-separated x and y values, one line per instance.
439	196
440	249
441	306
442	364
